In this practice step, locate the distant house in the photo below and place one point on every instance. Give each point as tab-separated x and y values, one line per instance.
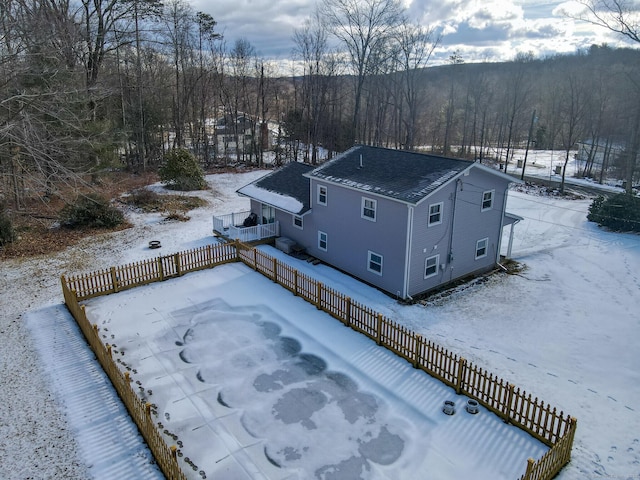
241	134
404	222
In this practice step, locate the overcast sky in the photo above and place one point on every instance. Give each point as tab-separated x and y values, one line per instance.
480	30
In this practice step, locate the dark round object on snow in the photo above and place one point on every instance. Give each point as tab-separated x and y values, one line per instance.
154	244
472	407
449	407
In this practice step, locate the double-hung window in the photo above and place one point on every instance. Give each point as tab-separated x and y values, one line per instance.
322	241
435	214
297	221
431	265
322	195
487	200
369	209
374	263
481	248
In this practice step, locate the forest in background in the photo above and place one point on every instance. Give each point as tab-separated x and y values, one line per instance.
91	86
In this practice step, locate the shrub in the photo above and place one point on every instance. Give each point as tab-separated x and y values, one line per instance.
92	211
620	213
7	234
181	171
145	199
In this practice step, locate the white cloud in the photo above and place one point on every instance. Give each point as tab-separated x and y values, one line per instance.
493	30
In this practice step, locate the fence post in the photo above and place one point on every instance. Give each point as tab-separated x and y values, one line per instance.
295	282
510	388
174	450
114	280
462	366
210	253
255	259
160	269
573	424
348	319
319	296
527	475
379	329
275	269
176	260
236	245
417	350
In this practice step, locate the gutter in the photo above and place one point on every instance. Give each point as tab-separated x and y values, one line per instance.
407	255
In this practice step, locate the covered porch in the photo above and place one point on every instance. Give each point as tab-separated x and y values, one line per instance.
238	226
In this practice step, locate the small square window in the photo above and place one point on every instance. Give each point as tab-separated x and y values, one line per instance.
322	241
435	214
322	195
375	263
481	248
431	266
297	221
369	209
487	200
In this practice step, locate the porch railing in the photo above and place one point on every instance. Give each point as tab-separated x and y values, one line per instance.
251	234
223	222
231	226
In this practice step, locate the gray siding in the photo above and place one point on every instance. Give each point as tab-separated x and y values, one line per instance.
455	239
351	237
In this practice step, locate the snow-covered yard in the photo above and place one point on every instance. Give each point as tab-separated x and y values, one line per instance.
567	330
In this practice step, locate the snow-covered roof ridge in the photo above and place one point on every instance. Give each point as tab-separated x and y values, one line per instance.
285	188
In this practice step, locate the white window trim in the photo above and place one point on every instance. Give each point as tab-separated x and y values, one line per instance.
326	240
293	220
375	209
490	207
437	257
326	194
369	262
429	222
486	247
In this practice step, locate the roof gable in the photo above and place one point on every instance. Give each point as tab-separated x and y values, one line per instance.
398	174
286	188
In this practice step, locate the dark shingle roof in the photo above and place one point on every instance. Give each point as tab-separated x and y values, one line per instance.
398	174
288	181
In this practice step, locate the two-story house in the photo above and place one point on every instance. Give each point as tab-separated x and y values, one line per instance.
404	222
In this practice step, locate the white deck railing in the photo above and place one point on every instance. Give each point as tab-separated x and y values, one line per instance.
231	226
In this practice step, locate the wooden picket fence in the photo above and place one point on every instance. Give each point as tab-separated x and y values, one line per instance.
165	456
515	406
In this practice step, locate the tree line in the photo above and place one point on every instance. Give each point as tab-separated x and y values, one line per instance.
94	84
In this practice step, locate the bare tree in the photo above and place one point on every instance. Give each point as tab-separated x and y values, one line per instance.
618	16
415	46
621	17
572	115
313	49
363	27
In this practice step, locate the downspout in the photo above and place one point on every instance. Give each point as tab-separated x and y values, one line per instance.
453	224
407	255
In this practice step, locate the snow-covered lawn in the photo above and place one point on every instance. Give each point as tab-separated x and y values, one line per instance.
567	330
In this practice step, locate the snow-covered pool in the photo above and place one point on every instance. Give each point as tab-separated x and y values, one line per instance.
253	382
